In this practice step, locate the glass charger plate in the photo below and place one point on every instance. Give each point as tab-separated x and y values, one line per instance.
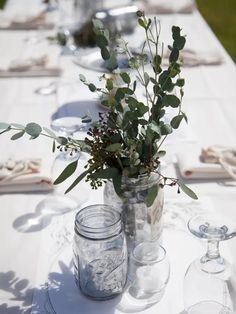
65	296
91	59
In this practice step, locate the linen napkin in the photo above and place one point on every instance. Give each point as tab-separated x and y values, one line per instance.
193	58
168	6
34	66
193	163
24	22
26	175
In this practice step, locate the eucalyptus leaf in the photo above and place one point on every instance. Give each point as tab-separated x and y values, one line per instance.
77	181
67	172
97	24
146	78
18	126
62	140
4	125
161	153
86	120
179	43
142	23
107	173
119	95
134	63
49	132
33	129
109	84
82	78
175	122
125	77
188	191
165	81
157	62
171	100
175	32
112	64
117	180
92	87
101	41
180	82
105	53
17	135
185	117
174	55
53	146
151	196
166	129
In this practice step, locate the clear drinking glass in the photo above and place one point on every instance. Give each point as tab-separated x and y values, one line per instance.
210	281
100	252
149	273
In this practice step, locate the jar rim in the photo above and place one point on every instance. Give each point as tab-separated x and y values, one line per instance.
99	232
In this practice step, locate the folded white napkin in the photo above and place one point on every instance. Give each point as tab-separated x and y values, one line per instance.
24	22
35	66
168	6
191	165
192	58
26	175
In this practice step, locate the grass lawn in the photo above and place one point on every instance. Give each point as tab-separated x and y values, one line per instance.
220	15
2	2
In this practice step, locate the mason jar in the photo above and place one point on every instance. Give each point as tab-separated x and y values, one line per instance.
100	252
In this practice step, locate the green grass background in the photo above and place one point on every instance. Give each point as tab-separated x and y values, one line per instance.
2	2
220	15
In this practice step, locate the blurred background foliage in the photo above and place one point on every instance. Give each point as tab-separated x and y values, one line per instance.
220	15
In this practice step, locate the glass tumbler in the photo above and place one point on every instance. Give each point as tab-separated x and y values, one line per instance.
100	252
149	272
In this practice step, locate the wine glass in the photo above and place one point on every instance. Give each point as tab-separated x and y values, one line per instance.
65	122
210	281
67	24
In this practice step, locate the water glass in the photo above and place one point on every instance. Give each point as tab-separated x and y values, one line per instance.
149	272
100	252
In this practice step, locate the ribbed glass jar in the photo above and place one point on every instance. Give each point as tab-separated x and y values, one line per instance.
142	222
100	252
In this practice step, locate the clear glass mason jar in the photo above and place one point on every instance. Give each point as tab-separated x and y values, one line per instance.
100	252
142	222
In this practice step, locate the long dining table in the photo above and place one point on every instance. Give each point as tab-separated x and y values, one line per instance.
36	273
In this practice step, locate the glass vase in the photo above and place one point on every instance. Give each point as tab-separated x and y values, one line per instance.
141	222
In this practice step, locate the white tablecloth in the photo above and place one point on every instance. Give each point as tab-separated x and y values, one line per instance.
32	242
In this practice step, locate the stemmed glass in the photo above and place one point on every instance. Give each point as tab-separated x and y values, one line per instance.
64	123
210	281
58	203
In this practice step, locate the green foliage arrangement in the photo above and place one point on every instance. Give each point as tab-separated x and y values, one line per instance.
128	137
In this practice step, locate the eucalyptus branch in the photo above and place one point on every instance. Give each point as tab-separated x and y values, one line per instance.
123	142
